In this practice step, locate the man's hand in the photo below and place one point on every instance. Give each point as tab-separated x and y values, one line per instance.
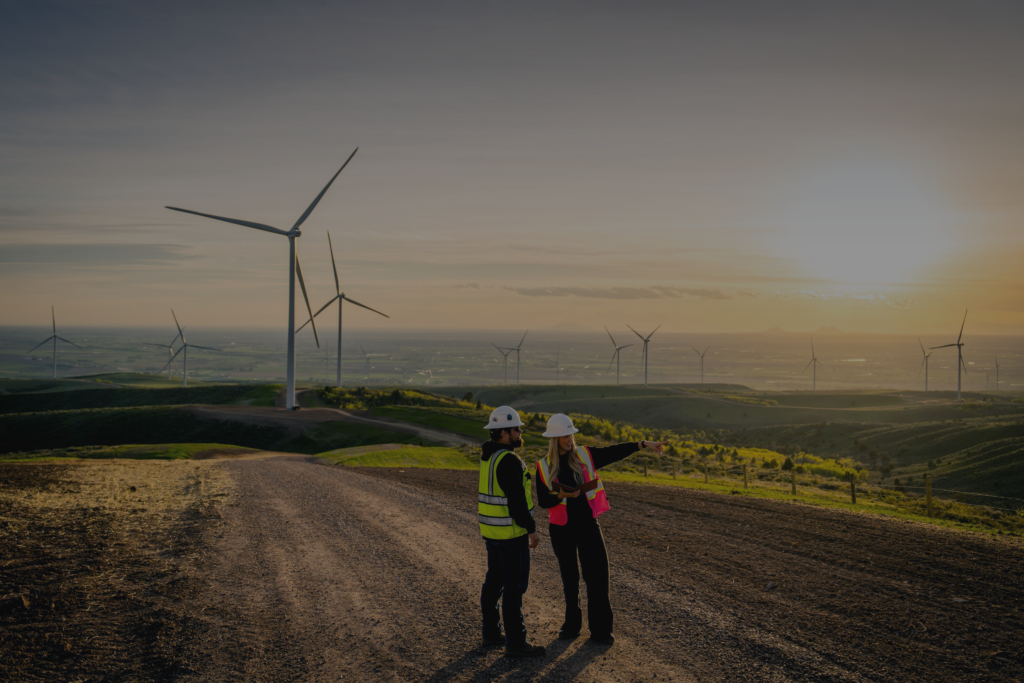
534	541
656	446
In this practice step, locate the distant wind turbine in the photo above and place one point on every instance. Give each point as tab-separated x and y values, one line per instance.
517	349
616	356
293	268
341	299
959	354
184	347
701	362
815	363
644	358
170	351
367	356
924	364
54	338
557	369
504	352
997	373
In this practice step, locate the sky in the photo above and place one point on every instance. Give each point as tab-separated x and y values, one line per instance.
710	167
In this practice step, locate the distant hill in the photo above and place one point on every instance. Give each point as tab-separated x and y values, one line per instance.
827	330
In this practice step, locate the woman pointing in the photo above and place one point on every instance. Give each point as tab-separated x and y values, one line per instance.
574	497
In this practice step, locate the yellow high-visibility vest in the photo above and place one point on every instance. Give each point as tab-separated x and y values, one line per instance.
492	504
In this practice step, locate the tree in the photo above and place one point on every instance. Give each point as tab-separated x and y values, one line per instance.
788	465
478	404
468	398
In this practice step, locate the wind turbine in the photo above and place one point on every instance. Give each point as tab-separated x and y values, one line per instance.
293	268
184	347
170	352
367	380
504	352
516	349
813	362
924	364
644	357
701	362
54	338
997	373
341	299
959	354
616	356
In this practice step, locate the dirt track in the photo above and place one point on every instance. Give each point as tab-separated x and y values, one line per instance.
312	572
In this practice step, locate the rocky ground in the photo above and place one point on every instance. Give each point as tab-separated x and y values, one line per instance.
310	572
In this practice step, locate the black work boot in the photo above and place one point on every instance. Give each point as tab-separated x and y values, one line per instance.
524	650
492	641
568	632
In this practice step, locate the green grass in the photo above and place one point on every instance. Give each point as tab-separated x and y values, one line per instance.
470	426
167	451
91	397
437	457
329	436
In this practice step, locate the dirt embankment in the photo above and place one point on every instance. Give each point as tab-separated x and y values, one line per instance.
99	565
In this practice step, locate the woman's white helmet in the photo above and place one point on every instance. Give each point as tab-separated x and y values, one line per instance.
503	417
560	425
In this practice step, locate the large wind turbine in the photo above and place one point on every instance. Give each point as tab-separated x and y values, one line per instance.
504	352
959	354
644	357
293	268
341	299
701	362
814	372
170	351
616	356
54	338
184	347
924	364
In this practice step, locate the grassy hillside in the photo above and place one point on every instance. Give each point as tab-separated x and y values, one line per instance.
26	432
93	397
166	451
407	456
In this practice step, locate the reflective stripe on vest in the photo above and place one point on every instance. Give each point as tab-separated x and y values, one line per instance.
492	503
596	498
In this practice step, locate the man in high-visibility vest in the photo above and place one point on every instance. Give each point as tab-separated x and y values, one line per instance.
505	511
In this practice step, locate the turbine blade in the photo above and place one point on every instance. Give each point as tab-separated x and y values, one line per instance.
806	366
610	336
695	350
520	344
68	342
612	360
919	369
655	330
162	346
635	332
172	358
962	327
337	286
309	309
625	347
365	306
921	345
41	343
181	333
364	352
207	348
324	307
53	317
705	351
942	347
963	364
302	219
247	224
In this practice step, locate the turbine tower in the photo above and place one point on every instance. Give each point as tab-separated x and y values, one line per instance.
54	338
504	352
644	357
184	347
367	368
959	355
924	364
701	362
341	299
997	373
293	268
170	351
516	349
814	372
616	356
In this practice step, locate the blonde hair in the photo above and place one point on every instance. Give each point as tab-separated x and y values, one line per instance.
554	460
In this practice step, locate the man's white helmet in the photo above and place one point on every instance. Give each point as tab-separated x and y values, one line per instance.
503	417
560	425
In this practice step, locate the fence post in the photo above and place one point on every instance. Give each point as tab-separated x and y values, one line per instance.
928	492
645	467
793	481
673	469
745	485
853	490
705	472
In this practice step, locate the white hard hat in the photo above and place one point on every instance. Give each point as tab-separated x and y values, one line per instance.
503	417
560	425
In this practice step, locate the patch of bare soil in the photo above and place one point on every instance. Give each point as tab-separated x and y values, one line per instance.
98	563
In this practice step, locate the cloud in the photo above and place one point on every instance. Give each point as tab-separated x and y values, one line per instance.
468	285
655	292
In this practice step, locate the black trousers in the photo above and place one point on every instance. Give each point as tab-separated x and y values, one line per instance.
508	576
586	542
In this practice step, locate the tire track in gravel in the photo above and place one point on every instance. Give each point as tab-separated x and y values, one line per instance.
325	574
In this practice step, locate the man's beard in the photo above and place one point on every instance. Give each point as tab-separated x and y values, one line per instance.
515	442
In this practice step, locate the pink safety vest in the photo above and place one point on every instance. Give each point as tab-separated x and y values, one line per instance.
597	499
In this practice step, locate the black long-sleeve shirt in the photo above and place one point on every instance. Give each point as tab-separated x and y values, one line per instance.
578	508
510	478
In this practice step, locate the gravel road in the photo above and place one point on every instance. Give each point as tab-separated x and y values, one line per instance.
327	573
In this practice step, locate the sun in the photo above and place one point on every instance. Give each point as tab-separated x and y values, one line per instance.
866	220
